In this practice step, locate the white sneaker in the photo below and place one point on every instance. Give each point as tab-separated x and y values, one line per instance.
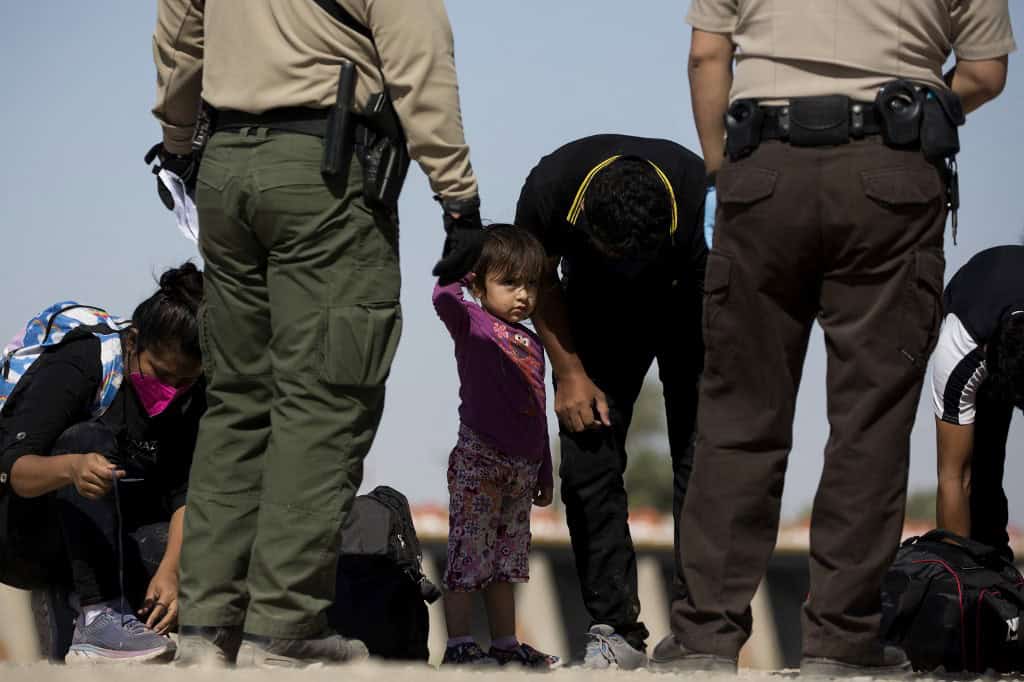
608	649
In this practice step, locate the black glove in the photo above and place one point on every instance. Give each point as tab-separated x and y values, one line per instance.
465	239
182	165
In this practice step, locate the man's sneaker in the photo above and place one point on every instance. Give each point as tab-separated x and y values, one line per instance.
608	649
113	637
894	663
671	656
526	656
469	654
208	647
331	649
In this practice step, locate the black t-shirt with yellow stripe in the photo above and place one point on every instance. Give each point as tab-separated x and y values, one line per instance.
551	199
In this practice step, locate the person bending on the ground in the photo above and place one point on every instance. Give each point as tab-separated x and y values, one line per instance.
83	453
977	381
501	465
623	217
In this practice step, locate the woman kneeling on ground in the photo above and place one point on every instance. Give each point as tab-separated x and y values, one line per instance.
94	470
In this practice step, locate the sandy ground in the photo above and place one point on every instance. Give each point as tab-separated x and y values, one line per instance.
364	672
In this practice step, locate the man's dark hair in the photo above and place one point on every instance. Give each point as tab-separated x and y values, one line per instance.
1005	360
628	208
510	253
169	319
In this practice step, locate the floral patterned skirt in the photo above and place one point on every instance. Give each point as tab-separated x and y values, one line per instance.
491	495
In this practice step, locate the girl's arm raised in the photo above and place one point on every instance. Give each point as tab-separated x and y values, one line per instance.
451	307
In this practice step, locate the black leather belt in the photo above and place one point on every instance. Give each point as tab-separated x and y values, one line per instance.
302	120
864	120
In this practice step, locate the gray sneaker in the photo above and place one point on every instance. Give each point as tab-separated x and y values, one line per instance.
208	647
608	649
113	637
671	656
266	652
893	663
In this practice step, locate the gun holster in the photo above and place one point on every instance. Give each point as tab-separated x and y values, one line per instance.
382	150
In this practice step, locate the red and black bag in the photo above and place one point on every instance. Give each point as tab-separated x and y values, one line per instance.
954	604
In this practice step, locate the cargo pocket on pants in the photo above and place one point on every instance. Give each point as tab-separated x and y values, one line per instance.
716	289
360	342
922	306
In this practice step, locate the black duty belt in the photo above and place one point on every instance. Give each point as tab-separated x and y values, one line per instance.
302	120
864	120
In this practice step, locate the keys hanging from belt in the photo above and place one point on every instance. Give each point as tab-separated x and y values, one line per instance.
952	192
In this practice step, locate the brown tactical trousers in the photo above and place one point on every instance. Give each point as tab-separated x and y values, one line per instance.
850	236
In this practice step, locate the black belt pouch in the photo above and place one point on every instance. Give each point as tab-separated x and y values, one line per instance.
943	113
819	121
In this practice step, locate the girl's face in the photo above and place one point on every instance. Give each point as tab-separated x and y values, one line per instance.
506	298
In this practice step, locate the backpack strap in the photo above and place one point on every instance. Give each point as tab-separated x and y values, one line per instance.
344	17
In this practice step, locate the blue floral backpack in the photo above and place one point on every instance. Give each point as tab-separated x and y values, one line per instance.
48	329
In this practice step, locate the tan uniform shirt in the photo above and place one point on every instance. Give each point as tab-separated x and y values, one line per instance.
804	48
255	55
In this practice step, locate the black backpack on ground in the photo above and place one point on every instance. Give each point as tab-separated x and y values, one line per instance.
381	590
954	604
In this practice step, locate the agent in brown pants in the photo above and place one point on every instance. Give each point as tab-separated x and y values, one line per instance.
850	236
818	219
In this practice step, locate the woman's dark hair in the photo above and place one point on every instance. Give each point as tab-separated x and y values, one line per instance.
628	208
1005	360
169	319
511	253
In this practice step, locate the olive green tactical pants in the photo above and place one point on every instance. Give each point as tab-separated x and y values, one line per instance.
299	328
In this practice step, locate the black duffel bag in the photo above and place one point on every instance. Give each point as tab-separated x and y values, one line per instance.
954	605
382	593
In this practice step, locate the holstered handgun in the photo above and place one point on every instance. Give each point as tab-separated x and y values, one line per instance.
383	152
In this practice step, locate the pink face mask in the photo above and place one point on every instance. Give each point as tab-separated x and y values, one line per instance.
154	394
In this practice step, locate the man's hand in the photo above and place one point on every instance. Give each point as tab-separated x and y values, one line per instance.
577	400
464	240
543	495
160	608
92	475
182	165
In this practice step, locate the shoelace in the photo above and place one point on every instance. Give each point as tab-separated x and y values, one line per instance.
600	644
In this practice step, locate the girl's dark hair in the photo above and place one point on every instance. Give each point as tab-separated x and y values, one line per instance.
1005	360
169	319
628	208
512	253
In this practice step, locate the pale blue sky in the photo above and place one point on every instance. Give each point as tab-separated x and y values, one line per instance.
80	217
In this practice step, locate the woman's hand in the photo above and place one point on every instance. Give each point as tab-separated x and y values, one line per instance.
93	475
160	608
544	494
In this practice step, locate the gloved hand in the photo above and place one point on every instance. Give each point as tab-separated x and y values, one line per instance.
182	165
464	241
710	206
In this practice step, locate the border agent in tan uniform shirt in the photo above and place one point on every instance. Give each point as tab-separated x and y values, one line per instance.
302	317
819	217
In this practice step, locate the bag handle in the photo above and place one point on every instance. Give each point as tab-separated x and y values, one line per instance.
977	550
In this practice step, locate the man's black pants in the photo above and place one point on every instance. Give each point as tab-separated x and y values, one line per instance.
989	512
617	338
